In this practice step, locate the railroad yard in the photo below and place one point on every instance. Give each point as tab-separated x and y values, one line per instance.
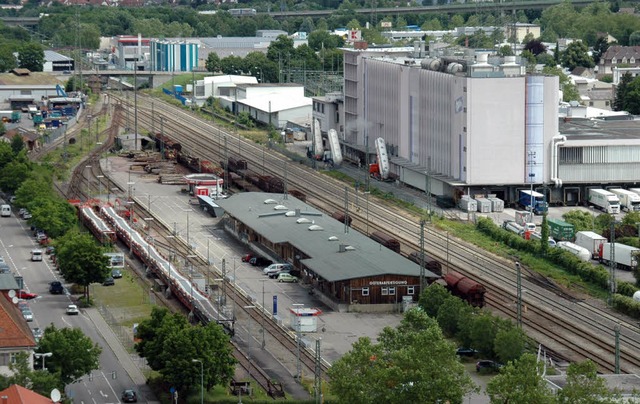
569	325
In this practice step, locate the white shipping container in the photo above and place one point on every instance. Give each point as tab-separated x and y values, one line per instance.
467	204
484	205
497	204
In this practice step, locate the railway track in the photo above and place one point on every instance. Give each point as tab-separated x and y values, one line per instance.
203	140
75	190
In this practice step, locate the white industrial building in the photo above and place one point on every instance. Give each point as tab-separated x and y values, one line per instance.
478	124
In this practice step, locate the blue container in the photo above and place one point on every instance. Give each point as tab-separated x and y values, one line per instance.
177	89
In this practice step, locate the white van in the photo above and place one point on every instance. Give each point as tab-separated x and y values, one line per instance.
5	210
36	255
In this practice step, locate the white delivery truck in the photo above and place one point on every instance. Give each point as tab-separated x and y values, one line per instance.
591	241
605	200
629	201
5	210
626	257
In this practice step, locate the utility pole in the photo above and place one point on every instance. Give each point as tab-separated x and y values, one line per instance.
617	332
317	382
422	223
612	263
135	100
346	209
519	295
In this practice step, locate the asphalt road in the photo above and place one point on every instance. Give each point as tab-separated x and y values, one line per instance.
104	385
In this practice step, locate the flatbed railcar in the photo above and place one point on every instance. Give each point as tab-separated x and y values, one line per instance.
466	289
187	292
386	240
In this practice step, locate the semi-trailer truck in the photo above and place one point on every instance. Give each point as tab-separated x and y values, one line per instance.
626	257
629	201
605	200
533	201
591	241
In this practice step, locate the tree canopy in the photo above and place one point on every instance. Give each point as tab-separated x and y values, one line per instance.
73	353
413	363
170	343
81	259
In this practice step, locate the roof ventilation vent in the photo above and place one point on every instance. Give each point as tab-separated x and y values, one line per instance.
345	248
291	213
270	202
303	220
279	207
315	227
333	238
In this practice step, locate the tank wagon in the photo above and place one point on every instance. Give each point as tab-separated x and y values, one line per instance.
467	289
386	240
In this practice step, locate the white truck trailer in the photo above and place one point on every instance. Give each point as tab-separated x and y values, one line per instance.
574	249
629	201
591	241
605	200
626	257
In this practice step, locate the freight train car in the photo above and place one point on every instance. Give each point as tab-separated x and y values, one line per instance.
469	290
386	240
96	225
341	217
430	264
300	195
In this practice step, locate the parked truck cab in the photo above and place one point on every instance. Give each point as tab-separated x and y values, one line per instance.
533	201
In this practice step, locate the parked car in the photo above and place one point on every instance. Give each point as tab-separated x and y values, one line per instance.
56	288
109	281
466	352
27	314
37	333
72	310
488	366
36	255
247	257
21	211
129	396
116	273
275	268
260	261
26	215
285	277
4	268
50	250
274	275
23	294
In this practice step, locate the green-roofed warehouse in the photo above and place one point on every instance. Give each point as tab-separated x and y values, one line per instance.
345	268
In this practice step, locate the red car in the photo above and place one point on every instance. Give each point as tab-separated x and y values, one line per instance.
23	294
247	257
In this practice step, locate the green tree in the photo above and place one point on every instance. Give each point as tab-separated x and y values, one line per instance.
520	382
505	50
584	386
619	102
569	90
12	175
169	343
17	144
432	298
212	63
307	25
280	49
535	46
509	344
7	59
634	38
31	56
31	189
580	219
456	21
6	154
577	55
599	49
73	353
544	235
319	40
81	259
632	97
449	313
413	363
52	214
482	331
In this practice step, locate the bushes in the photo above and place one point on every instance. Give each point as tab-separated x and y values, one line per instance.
626	305
627	289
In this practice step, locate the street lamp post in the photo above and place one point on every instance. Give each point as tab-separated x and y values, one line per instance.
43	356
201	379
100	177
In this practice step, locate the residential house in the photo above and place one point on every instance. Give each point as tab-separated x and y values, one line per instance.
15	335
16	394
619	56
